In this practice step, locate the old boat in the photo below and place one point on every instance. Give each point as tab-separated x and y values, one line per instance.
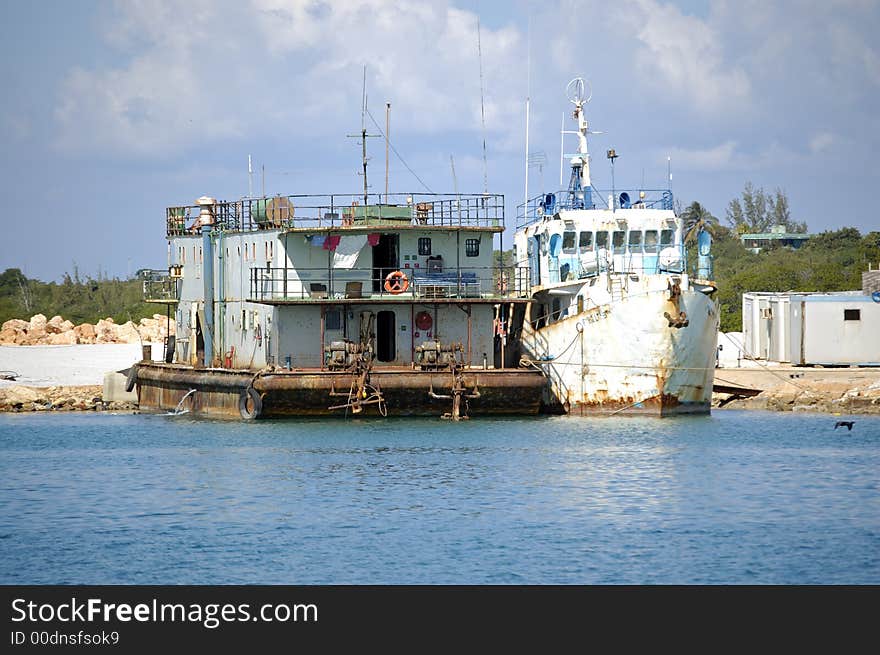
338	305
615	320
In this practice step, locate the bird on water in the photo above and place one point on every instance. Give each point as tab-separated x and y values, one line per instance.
844	424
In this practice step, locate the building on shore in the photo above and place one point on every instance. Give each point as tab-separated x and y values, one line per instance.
813	329
776	236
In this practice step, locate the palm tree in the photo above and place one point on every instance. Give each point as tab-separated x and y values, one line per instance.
697	218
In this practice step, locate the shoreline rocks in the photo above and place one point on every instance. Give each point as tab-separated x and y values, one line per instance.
829	397
21	398
58	331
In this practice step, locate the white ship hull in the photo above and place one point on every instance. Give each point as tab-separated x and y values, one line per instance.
620	354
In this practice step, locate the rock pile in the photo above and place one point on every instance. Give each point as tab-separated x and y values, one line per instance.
58	331
811	396
40	399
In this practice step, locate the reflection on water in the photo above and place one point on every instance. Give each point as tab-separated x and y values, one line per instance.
734	498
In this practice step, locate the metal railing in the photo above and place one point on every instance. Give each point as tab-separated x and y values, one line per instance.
161	288
314	285
550	203
342	211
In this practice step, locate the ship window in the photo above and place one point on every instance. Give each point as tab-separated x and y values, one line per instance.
472	247
635	241
568	239
650	240
617	240
666	237
424	245
333	320
254	250
585	242
852	314
601	240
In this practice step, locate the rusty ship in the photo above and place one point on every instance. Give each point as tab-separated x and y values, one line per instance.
614	319
335	305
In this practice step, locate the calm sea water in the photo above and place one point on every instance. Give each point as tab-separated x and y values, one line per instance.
738	497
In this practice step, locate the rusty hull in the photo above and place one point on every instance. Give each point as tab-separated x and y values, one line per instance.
161	387
628	357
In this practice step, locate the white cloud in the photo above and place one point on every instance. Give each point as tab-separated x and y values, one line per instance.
683	55
821	141
196	72
719	157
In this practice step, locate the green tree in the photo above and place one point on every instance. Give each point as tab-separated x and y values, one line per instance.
79	300
756	212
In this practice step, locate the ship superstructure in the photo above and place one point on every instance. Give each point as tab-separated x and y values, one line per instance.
326	305
615	319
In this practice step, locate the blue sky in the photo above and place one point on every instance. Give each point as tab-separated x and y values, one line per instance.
113	111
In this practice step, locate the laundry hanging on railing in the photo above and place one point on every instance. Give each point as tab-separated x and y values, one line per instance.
346	253
331	242
316	241
373	239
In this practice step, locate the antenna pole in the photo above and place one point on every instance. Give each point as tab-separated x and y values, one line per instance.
561	149
612	155
482	112
264	179
250	178
528	102
454	180
387	136
363	137
669	171
526	191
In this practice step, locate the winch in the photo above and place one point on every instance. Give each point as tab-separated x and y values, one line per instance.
432	355
343	354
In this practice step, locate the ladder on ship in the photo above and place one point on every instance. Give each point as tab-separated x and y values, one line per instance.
617	284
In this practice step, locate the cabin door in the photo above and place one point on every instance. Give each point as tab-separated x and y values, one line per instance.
200	340
386	331
386	259
553	259
534	248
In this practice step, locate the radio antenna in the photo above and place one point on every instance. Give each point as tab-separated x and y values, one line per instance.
482	111
363	135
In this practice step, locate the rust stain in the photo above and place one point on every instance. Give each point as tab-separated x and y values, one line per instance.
307	392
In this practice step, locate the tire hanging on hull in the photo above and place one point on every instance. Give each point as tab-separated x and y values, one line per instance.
250	404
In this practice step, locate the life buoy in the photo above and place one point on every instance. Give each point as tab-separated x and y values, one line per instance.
424	321
875	296
396	282
250	404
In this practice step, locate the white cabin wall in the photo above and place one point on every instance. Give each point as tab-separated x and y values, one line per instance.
296	330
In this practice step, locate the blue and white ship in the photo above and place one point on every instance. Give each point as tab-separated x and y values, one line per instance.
615	320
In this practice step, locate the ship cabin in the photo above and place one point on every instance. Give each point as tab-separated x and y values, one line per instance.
562	238
291	282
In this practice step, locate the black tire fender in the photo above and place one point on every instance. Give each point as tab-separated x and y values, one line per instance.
250	404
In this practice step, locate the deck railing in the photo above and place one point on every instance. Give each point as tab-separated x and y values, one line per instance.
342	211
161	287
545	205
313	285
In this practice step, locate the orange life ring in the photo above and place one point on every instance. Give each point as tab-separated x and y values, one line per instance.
396	282
424	321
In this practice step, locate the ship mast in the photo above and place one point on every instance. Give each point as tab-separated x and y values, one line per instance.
363	135
580	186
